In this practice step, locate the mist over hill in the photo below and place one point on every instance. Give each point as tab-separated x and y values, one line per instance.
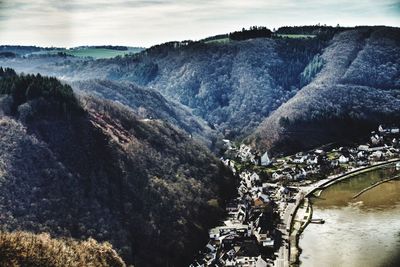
237	85
231	85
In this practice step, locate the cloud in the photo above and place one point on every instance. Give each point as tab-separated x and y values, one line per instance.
140	22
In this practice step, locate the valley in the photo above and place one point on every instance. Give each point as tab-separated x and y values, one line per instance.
200	153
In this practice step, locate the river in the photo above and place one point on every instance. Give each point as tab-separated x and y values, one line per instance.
361	232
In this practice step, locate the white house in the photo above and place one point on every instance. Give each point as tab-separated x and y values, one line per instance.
265	161
393	130
375	139
246	261
255	177
300	160
264	198
376	155
363	148
360	154
312	161
276	176
343	159
260	262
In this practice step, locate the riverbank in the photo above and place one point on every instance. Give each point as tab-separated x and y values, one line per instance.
294	249
337	178
302	218
375	185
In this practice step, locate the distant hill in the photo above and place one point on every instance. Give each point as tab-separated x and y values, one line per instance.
232	85
103	172
280	84
95	52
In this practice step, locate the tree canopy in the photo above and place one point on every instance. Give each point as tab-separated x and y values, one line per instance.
24	88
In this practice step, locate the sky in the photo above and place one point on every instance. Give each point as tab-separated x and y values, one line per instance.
144	23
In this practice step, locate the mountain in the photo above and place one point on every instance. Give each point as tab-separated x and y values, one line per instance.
356	89
92	168
232	85
297	88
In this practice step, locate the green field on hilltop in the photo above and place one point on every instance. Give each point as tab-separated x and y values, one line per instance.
218	41
296	36
100	52
93	52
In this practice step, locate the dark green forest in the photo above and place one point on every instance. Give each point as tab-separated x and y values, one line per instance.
24	88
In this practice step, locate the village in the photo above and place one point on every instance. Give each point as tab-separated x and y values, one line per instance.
253	230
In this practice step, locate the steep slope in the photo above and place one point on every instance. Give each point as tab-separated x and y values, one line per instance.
233	86
236	85
356	89
102	172
150	104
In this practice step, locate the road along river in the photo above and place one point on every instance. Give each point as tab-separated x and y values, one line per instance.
361	231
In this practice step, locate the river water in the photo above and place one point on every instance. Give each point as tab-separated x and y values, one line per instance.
361	232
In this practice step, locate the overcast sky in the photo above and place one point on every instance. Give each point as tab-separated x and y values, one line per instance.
144	23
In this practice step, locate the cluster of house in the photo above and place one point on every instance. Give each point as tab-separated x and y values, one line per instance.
384	144
299	166
244	233
245	153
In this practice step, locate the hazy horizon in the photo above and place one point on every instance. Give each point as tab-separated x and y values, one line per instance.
146	23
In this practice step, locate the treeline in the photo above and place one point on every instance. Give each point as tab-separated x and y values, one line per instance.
252	32
25	50
313	29
23	88
112	47
7	54
215	37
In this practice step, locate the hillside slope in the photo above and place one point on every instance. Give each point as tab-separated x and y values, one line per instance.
357	88
101	172
233	86
149	104
304	92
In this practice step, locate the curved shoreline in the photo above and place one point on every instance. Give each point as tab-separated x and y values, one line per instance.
295	234
338	178
323	185
375	185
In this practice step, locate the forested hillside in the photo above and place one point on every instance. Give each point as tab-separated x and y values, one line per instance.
295	81
94	169
231	85
357	89
149	104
